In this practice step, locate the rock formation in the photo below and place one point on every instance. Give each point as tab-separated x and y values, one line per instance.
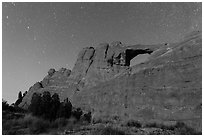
167	86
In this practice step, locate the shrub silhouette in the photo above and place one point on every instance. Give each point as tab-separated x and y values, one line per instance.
65	109
77	113
133	123
87	116
39	126
35	106
49	107
46	105
5	105
180	128
109	130
55	104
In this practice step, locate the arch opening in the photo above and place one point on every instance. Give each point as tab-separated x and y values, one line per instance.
136	56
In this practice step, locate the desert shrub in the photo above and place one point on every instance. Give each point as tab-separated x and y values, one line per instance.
39	126
72	120
182	129
28	120
179	128
87	117
149	125
102	119
65	109
109	130
49	107
58	123
133	123
8	124
6	106
96	120
55	104
35	106
46	105
33	125
77	113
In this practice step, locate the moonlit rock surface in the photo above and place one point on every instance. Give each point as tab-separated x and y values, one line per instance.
167	86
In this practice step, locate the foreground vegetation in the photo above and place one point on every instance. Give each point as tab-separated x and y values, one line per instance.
33	125
47	115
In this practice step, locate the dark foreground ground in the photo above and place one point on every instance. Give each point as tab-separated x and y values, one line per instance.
19	123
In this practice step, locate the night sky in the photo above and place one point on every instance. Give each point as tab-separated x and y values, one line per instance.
40	36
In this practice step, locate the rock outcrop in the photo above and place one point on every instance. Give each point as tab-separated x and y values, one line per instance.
167	86
93	65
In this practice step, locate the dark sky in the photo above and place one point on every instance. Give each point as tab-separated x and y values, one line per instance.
39	36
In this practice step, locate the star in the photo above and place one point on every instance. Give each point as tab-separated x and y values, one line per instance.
20	21
28	27
54	14
7	17
72	35
81	7
122	21
13	4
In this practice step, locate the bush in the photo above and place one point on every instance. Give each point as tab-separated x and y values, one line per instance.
46	105
182	129
77	113
58	123
109	130
87	117
49	107
149	125
133	123
179	128
7	107
55	104
35	106
65	109
39	126
28	120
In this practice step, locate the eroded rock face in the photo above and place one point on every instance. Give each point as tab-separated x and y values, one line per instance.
166	86
93	65
51	72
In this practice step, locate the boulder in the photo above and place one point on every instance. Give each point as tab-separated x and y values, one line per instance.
51	72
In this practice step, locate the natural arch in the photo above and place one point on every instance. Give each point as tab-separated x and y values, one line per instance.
132	53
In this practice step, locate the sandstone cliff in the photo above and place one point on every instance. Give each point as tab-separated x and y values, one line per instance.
167	86
93	65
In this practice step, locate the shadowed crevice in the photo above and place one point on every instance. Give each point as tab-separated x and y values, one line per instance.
131	53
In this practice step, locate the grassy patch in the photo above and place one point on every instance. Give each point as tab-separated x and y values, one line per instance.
133	123
109	130
179	128
31	125
39	126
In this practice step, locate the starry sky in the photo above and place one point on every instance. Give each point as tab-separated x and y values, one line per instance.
40	36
